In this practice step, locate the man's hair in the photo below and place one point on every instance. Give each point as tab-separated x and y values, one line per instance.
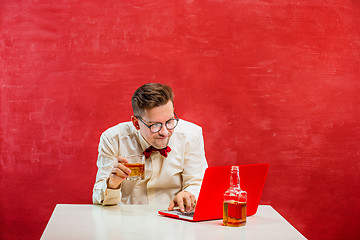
149	96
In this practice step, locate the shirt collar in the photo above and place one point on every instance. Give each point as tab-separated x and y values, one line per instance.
143	143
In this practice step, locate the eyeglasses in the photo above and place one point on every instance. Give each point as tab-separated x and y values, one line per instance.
156	127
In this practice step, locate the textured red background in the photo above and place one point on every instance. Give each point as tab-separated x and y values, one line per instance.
269	81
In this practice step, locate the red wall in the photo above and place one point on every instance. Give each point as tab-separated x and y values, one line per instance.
269	81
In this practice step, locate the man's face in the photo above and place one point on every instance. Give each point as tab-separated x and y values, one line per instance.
156	115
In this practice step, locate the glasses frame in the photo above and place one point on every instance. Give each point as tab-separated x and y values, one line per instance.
149	126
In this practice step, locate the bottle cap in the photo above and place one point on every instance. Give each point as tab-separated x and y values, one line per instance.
234	168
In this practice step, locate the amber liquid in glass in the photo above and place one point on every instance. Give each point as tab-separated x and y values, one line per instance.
234	213
137	171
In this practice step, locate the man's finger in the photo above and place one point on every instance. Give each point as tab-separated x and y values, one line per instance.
180	203
120	173
123	168
193	199
171	205
188	203
122	160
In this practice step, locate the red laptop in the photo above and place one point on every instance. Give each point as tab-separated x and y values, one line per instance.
216	181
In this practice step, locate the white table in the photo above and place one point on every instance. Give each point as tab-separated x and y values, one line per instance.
143	222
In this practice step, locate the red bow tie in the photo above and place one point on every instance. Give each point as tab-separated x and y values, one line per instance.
163	151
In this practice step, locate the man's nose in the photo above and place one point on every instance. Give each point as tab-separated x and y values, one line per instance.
164	131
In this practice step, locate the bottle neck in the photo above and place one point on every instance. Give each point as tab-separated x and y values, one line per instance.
234	179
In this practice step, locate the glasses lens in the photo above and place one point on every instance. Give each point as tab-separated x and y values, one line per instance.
155	127
171	124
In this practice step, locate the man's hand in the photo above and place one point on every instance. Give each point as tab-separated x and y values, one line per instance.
183	199
118	173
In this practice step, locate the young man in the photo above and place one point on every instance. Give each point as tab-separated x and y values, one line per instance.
173	175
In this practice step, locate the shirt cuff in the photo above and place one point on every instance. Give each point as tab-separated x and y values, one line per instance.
111	196
193	190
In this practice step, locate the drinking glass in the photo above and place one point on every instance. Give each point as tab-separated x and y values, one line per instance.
136	163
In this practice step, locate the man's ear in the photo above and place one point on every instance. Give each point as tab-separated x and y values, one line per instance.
135	122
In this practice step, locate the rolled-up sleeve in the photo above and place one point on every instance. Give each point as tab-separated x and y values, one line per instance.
105	162
195	164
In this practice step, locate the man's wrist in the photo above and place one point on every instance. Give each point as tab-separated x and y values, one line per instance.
109	187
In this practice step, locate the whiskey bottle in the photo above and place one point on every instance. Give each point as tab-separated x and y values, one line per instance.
234	207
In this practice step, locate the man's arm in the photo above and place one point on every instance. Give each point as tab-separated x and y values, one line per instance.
107	159
195	165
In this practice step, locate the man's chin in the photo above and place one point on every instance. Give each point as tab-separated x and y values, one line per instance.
161	144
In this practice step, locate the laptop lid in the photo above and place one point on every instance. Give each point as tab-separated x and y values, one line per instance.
216	181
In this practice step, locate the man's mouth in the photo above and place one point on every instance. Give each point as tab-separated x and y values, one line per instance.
162	138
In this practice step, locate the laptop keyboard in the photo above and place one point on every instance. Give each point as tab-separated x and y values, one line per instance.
190	214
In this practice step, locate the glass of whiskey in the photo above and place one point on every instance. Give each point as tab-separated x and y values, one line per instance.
136	163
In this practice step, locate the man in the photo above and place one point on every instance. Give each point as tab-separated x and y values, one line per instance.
175	167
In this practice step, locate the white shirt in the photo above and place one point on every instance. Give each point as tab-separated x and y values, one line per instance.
183	169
